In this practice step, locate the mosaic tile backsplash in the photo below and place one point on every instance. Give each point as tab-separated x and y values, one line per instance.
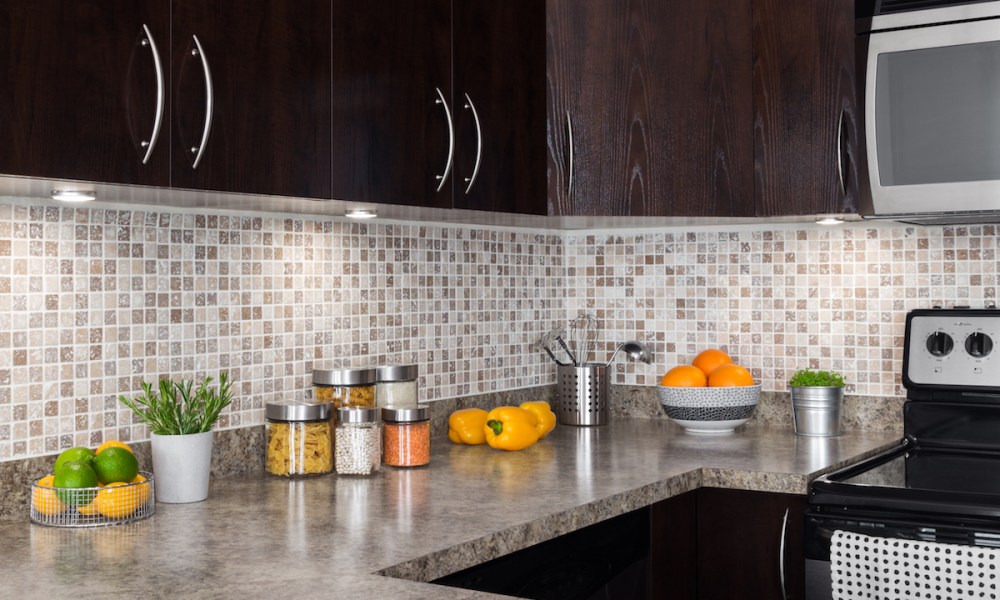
95	300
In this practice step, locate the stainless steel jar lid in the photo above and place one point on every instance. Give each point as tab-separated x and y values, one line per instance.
397	373
288	411
406	415
344	376
357	414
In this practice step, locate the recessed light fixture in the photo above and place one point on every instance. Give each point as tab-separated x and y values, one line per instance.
73	195
360	213
829	221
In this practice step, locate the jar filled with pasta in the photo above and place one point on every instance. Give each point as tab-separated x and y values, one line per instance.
358	446
406	437
345	387
396	385
299	439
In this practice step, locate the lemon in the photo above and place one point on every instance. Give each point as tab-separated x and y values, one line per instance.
112	444
79	453
118	500
73	475
44	499
142	491
115	464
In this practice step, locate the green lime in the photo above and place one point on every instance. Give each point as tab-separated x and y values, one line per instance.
75	474
79	453
115	464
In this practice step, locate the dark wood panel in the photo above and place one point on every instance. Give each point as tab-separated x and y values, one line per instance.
660	99
390	138
673	567
270	62
739	543
79	93
804	88
498	50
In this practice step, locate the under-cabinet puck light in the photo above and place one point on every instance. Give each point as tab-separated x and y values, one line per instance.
73	195
360	213
829	221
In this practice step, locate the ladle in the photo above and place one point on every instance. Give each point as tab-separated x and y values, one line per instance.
634	350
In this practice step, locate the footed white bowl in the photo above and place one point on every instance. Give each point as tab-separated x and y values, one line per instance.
709	410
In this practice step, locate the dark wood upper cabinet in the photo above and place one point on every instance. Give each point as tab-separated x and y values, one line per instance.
498	53
806	120
251	93
650	107
392	102
81	94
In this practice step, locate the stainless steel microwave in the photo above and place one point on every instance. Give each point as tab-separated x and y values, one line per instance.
931	110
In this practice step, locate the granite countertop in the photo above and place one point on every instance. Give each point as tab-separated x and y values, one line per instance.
339	536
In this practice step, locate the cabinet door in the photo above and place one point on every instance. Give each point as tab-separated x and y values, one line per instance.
650	108
673	538
499	100
81	98
806	114
252	96
392	93
746	541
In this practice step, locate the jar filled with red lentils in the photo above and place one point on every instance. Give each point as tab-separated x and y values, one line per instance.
406	436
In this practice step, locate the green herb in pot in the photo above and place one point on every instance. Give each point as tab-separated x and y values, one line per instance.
809	378
176	408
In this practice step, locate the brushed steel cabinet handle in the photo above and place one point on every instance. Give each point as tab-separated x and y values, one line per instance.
451	140
781	553
479	143
148	40
840	149
199	150
569	131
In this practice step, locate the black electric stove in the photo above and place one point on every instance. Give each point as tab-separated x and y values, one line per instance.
941	483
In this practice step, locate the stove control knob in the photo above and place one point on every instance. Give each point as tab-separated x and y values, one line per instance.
978	344
940	343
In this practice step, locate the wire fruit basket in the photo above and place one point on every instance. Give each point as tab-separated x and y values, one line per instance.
113	504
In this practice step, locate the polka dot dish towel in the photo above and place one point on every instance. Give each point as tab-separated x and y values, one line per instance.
874	568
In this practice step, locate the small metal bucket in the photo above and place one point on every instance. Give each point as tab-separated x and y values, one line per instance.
582	395
816	410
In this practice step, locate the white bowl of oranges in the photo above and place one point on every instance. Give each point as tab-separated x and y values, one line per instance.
712	395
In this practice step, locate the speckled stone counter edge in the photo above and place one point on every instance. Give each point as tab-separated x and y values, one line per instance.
241	450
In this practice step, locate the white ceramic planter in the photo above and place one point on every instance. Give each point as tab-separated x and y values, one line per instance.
181	465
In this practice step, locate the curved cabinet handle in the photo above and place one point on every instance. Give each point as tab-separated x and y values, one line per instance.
781	554
569	131
199	150
840	150
149	144
451	140
479	143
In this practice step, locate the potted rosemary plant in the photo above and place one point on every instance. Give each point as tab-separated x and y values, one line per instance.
817	402
180	418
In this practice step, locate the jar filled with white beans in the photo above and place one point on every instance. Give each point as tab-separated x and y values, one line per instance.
357	441
396	386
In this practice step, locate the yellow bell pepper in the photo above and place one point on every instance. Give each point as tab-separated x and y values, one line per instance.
543	412
465	426
511	428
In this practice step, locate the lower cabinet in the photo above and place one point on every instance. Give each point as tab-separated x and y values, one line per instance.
719	543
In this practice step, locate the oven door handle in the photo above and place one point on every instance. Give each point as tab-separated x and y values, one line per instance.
781	554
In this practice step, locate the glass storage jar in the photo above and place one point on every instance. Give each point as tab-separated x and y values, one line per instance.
299	439
357	441
406	436
345	387
396	385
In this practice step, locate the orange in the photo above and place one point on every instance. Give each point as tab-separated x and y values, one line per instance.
112	444
730	376
684	376
710	360
44	500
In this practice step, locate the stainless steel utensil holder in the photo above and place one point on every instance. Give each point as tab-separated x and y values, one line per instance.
582	395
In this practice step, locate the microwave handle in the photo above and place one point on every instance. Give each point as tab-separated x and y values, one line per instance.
840	153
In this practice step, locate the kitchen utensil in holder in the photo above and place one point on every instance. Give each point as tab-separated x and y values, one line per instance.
582	394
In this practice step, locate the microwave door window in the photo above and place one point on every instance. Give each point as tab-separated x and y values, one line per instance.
937	115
